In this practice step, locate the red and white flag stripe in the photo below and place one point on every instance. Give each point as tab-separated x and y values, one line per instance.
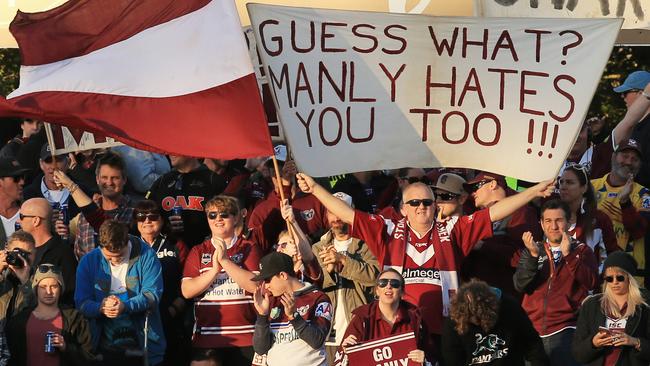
165	75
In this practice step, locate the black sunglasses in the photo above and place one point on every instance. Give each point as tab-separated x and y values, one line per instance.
383	282
625	93
213	215
446	196
476	186
619	278
416	202
22	217
59	159
142	217
18	178
44	268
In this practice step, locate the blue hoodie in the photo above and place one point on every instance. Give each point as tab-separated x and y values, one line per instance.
144	288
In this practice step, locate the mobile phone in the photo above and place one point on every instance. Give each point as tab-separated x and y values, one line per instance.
605	330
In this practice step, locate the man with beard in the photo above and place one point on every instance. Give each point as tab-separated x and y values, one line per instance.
12	180
624	201
110	180
349	270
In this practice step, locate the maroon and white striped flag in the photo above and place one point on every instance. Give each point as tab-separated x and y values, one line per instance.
163	75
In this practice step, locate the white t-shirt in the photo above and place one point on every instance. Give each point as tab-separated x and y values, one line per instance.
9	224
340	321
118	275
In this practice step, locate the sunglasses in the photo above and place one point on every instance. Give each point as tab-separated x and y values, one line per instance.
44	268
18	178
22	217
416	202
625	93
58	159
412	180
383	282
476	186
142	217
446	196
619	278
212	215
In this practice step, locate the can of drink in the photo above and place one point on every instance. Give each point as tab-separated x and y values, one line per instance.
177	211
63	213
17	226
49	342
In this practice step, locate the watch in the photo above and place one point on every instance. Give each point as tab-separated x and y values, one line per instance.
646	95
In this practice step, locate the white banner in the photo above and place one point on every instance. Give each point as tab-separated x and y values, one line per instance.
68	139
362	91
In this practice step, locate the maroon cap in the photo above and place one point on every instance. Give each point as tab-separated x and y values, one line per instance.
630	144
485	176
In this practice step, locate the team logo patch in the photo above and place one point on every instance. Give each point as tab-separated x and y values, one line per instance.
275	313
206	258
303	310
307	215
646	202
612	194
324	310
488	348
237	258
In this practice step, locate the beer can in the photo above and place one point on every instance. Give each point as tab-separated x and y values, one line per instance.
63	213
17	226
177	211
49	342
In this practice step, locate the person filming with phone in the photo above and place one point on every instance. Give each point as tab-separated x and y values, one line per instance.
614	327
15	281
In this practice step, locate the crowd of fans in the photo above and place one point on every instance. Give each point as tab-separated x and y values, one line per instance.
125	257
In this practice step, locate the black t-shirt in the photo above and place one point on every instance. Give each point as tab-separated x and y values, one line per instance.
641	134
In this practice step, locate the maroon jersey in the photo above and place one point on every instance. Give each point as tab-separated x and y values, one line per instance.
224	315
429	264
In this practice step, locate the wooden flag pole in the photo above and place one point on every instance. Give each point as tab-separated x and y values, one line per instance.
278	178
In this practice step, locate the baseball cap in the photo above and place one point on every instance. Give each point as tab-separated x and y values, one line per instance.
44	271
635	81
272	264
485	176
46	152
344	197
450	182
11	168
630	144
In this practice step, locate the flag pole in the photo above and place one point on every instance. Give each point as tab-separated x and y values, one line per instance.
50	138
279	180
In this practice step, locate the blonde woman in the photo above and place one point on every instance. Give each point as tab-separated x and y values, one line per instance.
614	327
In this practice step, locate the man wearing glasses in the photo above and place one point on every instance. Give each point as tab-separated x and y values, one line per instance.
494	259
217	276
36	219
419	247
637	87
12	180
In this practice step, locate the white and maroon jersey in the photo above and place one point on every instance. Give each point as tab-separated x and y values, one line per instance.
429	264
224	315
288	348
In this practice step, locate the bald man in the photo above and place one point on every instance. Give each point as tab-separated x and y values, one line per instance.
35	218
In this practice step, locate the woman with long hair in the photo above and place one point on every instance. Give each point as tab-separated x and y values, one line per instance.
387	315
488	328
614	326
586	224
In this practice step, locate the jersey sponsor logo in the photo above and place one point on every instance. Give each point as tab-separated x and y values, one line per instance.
285	335
307	215
303	310
206	258
324	310
429	276
192	203
612	194
224	288
488	348
646	202
166	253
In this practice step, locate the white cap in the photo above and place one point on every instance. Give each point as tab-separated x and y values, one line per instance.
344	197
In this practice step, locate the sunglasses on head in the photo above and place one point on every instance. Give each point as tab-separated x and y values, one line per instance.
383	282
213	215
44	268
142	217
416	202
619	278
446	196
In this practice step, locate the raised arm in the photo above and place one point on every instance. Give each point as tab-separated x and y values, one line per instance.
635	113
333	204
509	205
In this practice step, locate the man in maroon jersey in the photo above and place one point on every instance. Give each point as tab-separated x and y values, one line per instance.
422	249
217	275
